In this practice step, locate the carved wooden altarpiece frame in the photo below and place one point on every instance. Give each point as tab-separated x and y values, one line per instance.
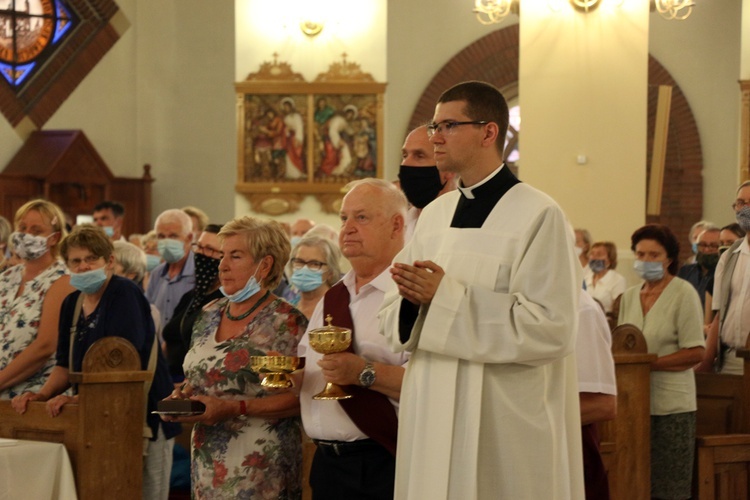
297	138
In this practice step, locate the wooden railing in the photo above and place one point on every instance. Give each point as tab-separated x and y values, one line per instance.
103	432
625	440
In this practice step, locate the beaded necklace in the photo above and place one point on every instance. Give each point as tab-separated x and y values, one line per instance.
249	312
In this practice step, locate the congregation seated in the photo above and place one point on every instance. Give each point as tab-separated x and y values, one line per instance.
601	280
30	298
107	305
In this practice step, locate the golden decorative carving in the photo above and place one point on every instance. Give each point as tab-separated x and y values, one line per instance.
344	71
275	71
276	203
330	202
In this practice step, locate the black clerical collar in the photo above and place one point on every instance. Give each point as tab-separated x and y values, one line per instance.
476	202
468	192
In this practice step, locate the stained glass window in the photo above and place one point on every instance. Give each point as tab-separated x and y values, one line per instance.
30	31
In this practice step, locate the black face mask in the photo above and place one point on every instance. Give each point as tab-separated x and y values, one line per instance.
206	273
421	185
707	261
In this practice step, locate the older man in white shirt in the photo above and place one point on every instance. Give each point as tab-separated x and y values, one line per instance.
356	438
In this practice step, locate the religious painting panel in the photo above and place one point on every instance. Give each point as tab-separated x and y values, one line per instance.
298	138
275	148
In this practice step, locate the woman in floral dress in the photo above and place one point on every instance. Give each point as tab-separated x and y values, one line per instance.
31	294
247	443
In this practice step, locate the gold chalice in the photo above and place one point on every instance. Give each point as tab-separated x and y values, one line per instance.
328	340
274	370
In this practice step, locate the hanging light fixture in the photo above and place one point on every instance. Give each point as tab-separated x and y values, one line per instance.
492	11
674	9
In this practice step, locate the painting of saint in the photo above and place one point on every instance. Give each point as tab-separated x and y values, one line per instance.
345	137
275	128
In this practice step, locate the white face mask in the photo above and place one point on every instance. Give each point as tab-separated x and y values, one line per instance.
28	246
578	251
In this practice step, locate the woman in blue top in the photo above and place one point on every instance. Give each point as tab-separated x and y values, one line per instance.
107	305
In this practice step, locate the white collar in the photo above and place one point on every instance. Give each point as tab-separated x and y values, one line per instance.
467	191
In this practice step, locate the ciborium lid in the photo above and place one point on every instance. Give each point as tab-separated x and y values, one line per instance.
329	328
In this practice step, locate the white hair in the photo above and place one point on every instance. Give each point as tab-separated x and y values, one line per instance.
178	216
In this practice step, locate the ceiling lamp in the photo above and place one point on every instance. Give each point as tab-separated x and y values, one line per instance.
492	11
674	9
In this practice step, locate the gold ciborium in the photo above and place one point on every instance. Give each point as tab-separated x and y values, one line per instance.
274	370
328	340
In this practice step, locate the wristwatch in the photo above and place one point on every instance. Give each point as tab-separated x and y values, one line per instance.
367	377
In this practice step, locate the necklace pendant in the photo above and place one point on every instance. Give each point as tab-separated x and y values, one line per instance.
248	312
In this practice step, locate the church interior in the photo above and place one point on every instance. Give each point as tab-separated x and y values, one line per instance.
628	117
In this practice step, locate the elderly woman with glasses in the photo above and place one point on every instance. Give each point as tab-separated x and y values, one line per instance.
107	305
247	442
30	297
314	268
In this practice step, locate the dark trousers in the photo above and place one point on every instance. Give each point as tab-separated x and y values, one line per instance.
594	473
364	471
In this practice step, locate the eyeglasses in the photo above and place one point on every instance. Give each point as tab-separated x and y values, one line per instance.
89	259
740	204
313	265
447	127
712	246
207	251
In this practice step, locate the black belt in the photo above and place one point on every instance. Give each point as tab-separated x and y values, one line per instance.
340	448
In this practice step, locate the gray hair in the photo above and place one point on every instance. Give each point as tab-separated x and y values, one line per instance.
324	231
395	199
178	216
131	258
701	224
330	251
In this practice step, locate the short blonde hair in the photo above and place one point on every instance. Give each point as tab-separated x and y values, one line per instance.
198	214
262	237
49	210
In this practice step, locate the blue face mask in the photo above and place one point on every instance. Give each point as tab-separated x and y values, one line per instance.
649	271
152	261
597	265
694	246
307	280
109	231
295	240
89	281
251	288
171	250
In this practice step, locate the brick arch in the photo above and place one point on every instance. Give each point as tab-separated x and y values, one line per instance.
494	59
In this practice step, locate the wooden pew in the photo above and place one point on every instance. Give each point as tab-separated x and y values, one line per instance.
103	432
625	441
723	434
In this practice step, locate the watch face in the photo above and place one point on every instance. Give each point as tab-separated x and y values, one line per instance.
367	377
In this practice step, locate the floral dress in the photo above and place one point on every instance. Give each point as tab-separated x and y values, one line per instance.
245	457
19	321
